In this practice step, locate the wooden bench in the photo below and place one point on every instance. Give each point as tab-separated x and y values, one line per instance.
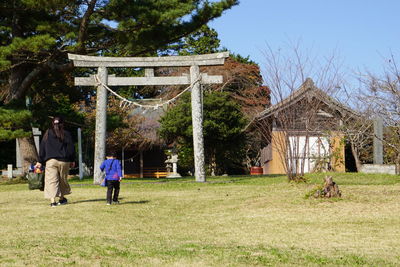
150	172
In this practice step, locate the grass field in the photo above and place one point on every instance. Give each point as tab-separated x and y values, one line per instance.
228	221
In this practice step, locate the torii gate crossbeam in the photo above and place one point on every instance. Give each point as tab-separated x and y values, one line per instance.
149	63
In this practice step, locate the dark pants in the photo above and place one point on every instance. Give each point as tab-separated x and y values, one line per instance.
111	184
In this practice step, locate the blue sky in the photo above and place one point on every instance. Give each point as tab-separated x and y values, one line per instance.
362	33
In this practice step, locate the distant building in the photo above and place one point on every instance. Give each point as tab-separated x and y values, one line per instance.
304	128
146	158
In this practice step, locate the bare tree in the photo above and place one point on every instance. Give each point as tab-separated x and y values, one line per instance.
303	108
359	135
382	94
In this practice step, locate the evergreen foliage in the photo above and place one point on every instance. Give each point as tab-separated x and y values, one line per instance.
203	41
14	124
224	138
244	60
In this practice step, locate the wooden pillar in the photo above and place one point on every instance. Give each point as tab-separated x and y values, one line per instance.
123	161
80	163
197	122
141	163
101	124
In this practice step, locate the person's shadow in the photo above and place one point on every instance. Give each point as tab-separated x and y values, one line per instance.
102	200
135	202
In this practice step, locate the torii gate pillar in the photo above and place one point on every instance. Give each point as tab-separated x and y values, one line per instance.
101	121
197	123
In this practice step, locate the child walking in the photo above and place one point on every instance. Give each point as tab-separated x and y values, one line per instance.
112	167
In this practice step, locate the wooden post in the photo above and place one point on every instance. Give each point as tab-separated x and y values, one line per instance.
141	163
197	122
101	124
123	161
80	154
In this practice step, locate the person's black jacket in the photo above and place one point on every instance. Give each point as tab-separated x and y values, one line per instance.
52	148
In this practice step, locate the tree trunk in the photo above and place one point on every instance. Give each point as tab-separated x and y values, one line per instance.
304	155
17	74
28	152
397	164
354	151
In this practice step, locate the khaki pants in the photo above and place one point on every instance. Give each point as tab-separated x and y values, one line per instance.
55	179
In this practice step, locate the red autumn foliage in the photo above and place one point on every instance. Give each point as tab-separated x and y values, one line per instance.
242	81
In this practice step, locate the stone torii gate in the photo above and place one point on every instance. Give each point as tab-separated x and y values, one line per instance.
195	79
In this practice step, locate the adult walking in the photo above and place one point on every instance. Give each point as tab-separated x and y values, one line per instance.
57	153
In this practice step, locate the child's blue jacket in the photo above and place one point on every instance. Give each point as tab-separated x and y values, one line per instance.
113	172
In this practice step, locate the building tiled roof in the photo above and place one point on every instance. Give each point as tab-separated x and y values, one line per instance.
307	89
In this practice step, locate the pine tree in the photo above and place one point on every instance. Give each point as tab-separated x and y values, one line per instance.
14	124
36	35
